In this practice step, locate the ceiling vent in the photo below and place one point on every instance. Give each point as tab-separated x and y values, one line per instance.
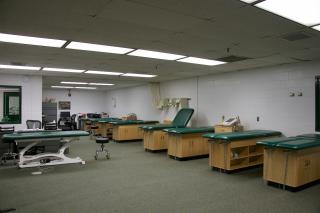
232	58
296	36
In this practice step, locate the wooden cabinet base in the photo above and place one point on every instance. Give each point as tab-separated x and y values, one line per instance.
235	155
123	133
104	129
187	146
155	140
292	168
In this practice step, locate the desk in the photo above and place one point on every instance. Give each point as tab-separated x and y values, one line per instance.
236	150
126	130
184	143
293	161
44	159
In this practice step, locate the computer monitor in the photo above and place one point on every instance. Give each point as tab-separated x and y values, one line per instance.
64	114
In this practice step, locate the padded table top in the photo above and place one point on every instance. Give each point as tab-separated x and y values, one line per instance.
299	143
272	142
43	134
187	130
314	136
129	122
293	143
104	120
232	136
157	127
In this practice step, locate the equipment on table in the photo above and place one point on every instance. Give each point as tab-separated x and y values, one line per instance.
231	121
102	150
44	159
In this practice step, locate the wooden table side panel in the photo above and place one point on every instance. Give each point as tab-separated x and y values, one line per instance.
303	166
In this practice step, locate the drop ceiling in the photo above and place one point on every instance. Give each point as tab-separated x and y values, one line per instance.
209	29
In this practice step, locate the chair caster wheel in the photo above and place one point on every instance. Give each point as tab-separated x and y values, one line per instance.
108	156
96	157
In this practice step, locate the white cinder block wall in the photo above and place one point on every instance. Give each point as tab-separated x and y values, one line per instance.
82	101
31	96
260	92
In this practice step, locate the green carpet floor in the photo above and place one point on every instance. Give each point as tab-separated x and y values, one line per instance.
137	181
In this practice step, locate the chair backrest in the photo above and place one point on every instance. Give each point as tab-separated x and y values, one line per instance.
73	117
33	124
182	118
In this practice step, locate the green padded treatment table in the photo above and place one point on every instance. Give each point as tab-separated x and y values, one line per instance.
236	150
154	139
188	130
132	122
236	136
181	120
106	120
44	159
187	143
292	161
42	135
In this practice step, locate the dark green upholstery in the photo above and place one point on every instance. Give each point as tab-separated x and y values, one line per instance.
294	143
299	143
272	142
189	130
157	127
181	120
314	136
43	134
130	122
104	120
232	136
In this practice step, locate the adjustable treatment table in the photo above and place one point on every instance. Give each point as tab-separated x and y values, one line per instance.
126	130
184	143
292	162
44	159
236	150
154	139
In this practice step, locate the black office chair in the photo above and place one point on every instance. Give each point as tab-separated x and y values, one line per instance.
12	152
33	124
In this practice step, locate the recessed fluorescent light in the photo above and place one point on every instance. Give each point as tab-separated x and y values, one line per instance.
101	84
249	1
194	60
98	48
103	72
303	12
71	82
156	55
316	27
2	66
85	87
61	70
10	38
139	75
62	87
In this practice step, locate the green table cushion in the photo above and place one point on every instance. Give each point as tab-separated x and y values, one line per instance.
314	136
100	119
232	136
157	127
43	134
299	143
272	142
129	122
187	130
